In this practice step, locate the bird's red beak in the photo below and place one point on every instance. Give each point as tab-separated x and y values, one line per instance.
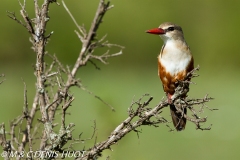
156	31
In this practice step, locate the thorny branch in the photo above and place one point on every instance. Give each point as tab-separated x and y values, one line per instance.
52	92
180	103
152	116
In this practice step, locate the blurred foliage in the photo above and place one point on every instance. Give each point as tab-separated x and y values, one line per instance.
211	29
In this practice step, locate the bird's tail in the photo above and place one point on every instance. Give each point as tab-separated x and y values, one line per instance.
178	120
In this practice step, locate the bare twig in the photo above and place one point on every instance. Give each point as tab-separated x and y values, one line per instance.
80	28
99	98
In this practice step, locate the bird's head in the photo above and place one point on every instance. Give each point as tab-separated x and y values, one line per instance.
168	31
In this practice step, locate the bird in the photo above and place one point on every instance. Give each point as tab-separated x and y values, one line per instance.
175	61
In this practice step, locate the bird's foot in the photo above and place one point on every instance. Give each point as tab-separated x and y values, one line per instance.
169	96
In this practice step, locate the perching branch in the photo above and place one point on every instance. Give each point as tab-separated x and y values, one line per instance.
152	116
180	103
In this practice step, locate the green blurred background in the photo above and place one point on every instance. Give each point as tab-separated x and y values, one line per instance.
211	29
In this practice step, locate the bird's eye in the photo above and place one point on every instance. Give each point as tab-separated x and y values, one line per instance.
171	28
